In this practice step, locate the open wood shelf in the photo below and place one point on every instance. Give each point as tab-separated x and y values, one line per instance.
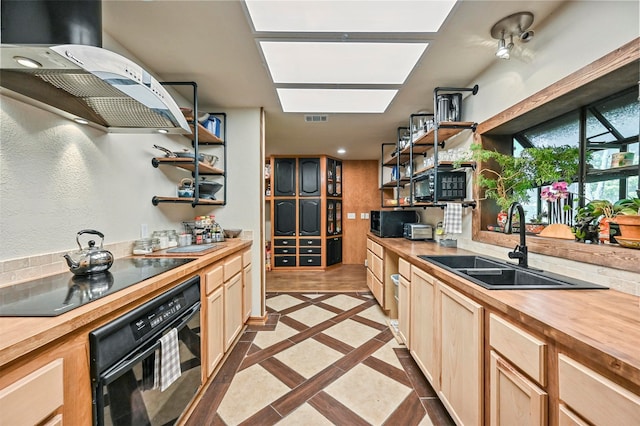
446	165
185	200
596	175
187	164
205	137
394	183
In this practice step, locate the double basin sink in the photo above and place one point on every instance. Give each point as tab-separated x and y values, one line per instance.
494	274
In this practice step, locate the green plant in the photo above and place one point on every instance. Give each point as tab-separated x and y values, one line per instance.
515	176
628	206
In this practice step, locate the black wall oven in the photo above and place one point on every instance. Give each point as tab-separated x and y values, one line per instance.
123	360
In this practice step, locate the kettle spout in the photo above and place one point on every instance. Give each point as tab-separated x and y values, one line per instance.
70	262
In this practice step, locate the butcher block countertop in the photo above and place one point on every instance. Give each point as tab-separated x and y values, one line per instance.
22	335
601	327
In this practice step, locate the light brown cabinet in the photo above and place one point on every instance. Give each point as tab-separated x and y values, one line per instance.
215	330
460	349
404	309
423	319
247	283
35	398
589	396
515	400
232	299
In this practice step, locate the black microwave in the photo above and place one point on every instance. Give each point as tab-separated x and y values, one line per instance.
446	186
390	223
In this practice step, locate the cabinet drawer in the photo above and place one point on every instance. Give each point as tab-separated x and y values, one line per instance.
377	249
33	398
521	348
310	250
376	287
285	260
246	258
284	250
232	266
376	267
214	277
404	269
305	242
594	397
310	260
284	242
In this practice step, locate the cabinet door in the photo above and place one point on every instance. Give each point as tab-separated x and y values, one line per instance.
284	220
310	216
460	355
247	282
232	309
334	217
404	309
214	313
514	399
334	250
284	177
309	180
422	338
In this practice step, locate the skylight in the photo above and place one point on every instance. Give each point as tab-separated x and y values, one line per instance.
335	100
349	16
341	63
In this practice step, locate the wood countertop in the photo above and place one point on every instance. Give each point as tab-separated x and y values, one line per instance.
22	335
601	327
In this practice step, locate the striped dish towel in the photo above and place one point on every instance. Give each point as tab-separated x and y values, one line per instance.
167	368
453	218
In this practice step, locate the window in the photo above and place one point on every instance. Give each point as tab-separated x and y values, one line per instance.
610	147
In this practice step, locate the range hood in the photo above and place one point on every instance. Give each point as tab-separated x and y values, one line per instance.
82	82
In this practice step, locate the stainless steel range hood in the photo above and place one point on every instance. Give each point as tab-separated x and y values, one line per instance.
80	81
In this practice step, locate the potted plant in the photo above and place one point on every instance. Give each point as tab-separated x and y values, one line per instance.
592	221
628	218
536	224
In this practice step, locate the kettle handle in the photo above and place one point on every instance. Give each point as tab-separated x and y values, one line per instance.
89	231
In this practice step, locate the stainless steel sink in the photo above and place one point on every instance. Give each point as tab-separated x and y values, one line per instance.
494	274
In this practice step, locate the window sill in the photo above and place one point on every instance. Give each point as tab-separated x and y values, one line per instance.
609	255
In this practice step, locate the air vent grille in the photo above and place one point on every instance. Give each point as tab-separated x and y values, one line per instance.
316	118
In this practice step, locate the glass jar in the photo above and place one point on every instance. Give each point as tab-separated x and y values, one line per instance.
143	246
173	238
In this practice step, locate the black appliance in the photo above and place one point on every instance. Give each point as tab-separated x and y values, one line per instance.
56	294
123	355
389	223
448	186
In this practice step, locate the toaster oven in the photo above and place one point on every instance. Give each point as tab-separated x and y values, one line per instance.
445	185
418	231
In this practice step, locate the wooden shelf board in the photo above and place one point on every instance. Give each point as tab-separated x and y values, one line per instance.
613	173
201	201
204	136
404	157
447	165
443	132
187	164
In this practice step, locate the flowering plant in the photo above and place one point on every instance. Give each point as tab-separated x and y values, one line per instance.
559	202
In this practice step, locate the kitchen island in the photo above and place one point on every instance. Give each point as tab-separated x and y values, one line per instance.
576	351
54	351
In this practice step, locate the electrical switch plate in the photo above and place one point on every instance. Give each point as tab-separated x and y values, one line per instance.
144	231
364	215
351	215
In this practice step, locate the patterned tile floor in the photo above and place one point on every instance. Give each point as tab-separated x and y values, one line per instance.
321	359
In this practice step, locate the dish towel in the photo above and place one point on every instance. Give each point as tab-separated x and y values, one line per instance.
453	218
167	368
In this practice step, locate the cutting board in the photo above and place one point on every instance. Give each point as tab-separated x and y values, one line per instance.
186	251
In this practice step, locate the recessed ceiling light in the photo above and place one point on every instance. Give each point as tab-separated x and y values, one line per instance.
335	100
349	16
80	120
163	131
341	63
341	151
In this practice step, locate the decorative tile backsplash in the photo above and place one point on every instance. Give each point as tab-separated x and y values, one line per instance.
27	268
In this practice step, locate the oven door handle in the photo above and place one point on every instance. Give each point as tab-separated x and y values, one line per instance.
118	369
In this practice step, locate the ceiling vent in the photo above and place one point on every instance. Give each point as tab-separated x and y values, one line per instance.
317	118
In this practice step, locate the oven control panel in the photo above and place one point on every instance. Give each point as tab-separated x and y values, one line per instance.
155	318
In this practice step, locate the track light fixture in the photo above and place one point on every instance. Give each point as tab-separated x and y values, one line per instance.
516	25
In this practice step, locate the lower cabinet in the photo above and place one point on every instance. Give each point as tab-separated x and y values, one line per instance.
460	351
35	398
592	398
334	250
423	327
232	309
515	400
215	329
247	284
404	299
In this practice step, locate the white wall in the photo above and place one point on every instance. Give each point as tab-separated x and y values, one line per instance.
579	33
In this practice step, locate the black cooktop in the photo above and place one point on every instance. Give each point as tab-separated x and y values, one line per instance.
56	294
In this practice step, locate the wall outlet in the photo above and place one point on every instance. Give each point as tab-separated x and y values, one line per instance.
351	215
364	215
144	231
365	263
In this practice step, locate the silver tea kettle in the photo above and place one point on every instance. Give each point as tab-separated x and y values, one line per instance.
90	260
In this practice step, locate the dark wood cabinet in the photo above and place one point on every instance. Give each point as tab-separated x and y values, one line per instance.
334	250
309	177
309	216
334	178
284	220
284	174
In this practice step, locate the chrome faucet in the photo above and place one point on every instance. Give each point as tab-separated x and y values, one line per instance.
521	251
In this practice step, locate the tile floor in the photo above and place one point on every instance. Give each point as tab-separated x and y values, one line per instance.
321	359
